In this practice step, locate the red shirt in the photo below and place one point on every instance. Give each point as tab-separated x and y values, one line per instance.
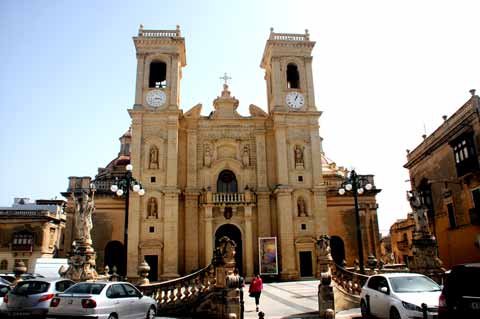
256	285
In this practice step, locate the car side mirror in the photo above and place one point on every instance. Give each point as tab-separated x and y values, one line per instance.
384	290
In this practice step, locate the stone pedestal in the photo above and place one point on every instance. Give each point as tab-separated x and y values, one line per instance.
425	258
81	264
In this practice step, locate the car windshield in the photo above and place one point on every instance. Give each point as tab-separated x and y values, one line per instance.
85	288
413	284
30	288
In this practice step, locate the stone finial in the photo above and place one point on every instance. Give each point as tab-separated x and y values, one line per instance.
444	117
143	270
178	27
424	136
141	26
472	92
408	151
307	35
140	30
271	29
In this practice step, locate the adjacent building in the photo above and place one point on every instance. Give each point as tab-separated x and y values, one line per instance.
30	230
262	179
445	169
401	238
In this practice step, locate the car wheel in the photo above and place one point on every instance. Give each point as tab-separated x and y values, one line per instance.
112	316
364	310
394	314
151	313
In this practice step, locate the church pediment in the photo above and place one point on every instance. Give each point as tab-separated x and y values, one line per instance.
225	106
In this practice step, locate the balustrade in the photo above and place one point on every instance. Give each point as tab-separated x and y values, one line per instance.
350	281
175	292
159	33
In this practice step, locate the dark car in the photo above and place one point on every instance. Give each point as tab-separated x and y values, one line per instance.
460	296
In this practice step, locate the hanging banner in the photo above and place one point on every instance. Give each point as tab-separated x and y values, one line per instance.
267	255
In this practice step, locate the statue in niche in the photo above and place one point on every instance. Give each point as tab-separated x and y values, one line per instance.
299	155
153	159
246	156
207	157
152	208
302	210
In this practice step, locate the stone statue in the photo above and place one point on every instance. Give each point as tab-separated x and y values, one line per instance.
299	155
207	156
326	303
153	160
246	156
227	247
152	208
302	211
419	212
84	208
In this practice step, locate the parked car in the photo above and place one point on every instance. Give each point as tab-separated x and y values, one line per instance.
11	276
102	300
5	282
460	296
399	296
4	289
32	297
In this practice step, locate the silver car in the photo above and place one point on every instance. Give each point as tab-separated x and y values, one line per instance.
102	300
32	297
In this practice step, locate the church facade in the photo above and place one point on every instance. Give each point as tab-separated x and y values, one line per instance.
258	179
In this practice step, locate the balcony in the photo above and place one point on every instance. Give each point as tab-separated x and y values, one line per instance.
228	199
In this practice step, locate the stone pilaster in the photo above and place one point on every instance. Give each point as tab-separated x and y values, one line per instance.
320	213
170	250
281	153
264	221
310	86
191	231
208	234
315	142
191	158
261	159
286	235
140	78
249	241
172	151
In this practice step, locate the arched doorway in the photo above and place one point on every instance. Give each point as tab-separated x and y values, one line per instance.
227	182
337	249
115	256
232	232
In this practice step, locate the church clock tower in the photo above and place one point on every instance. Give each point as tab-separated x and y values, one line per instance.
153	229
299	185
287	61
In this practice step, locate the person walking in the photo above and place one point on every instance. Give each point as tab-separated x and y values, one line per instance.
255	289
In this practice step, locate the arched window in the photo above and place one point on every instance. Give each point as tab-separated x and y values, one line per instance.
293	79
227	182
4	265
158	75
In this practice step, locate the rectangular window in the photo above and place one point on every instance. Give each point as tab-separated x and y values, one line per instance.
153	179
475	212
152	229
451	216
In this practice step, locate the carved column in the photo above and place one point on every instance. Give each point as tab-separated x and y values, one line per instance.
285	234
249	241
170	250
191	231
208	234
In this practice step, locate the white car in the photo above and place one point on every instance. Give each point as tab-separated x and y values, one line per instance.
102	300
399	296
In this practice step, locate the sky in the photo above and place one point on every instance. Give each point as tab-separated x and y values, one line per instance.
385	72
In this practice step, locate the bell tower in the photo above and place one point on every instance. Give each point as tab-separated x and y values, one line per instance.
160	59
287	60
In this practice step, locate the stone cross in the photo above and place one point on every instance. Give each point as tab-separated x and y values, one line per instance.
225	77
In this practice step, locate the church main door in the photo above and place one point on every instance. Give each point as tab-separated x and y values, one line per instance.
232	232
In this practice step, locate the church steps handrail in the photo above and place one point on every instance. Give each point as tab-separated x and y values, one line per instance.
350	281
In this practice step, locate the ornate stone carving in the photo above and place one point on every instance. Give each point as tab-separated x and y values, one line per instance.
152	208
326	302
153	162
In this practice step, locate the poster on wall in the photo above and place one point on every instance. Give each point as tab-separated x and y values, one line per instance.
267	254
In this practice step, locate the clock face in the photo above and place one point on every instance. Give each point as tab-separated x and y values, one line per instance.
156	98
295	100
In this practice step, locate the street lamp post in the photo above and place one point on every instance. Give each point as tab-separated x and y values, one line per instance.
123	186
357	185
